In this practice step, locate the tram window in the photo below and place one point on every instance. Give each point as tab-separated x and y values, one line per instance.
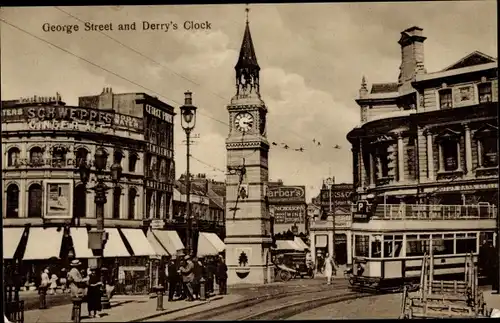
388	246
398	245
442	246
361	244
417	247
466	244
376	249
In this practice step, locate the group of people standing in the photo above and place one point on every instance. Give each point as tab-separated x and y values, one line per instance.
82	283
183	276
326	265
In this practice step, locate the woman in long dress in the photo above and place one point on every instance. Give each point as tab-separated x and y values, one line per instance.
328	269
94	293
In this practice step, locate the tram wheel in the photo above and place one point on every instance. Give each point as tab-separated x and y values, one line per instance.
285	275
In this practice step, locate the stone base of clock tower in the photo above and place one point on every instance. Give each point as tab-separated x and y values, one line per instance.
257	270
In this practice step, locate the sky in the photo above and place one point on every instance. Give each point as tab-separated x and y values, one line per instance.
312	59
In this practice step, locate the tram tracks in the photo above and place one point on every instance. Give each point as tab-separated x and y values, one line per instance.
220	311
290	310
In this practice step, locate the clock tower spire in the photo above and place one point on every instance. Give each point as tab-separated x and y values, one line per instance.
248	224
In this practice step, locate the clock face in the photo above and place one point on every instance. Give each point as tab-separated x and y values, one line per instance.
244	121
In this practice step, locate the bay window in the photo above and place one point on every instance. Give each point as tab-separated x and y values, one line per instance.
445	99
484	91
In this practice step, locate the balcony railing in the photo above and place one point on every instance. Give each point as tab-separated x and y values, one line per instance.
42	162
434	212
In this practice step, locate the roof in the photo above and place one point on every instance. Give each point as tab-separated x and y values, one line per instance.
384	87
474	58
247	52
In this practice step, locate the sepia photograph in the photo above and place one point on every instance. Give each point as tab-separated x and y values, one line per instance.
250	161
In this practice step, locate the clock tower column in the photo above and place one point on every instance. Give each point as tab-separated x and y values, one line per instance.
248	226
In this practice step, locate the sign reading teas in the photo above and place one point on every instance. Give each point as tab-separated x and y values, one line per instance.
287	194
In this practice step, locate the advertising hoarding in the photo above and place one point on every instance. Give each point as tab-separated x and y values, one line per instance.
286	194
58	199
288	214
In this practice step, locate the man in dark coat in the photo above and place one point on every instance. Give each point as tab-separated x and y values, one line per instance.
172	279
222	276
211	268
198	273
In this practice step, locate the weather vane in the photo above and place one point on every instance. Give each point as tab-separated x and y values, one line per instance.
247	10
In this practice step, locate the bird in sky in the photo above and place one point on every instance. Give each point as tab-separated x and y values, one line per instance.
275	144
337	147
286	146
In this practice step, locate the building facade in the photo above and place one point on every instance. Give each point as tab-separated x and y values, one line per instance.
43	143
322	233
429	137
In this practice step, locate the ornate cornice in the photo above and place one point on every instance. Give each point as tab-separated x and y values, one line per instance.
247	144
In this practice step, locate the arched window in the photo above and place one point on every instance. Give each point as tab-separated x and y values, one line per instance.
59	157
12	201
132	194
36	157
13	156
132	162
117	193
80	202
35	200
81	155
117	157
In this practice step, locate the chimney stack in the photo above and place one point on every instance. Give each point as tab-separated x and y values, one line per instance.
412	54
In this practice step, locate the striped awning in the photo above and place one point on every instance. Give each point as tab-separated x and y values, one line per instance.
287	245
170	240
11	239
114	246
81	243
139	243
300	243
156	245
209	244
43	243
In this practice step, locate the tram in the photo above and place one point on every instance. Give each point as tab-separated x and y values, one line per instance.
389	242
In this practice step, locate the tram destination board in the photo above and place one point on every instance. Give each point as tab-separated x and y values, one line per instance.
362	213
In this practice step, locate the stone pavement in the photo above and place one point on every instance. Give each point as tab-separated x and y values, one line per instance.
123	309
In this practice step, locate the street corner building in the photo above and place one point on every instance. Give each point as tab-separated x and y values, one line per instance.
48	211
425	156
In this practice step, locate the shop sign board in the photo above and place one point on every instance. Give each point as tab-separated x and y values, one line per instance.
286	194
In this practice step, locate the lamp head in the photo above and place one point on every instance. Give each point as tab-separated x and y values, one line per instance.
101	158
188	112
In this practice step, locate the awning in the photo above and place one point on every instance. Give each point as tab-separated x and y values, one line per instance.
11	239
169	240
81	243
43	243
287	245
114	246
156	245
138	241
300	243
321	241
209	244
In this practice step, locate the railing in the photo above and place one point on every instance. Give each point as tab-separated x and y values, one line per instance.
14	311
434	212
341	221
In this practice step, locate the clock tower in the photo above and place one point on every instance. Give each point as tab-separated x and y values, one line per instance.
248	226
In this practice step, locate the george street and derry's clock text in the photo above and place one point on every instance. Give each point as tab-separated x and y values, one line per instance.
134	26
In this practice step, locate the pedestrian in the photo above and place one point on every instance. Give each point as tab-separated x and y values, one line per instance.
172	278
186	270
210	275
221	273
63	281
328	268
77	283
198	273
94	293
43	287
320	262
53	284
179	289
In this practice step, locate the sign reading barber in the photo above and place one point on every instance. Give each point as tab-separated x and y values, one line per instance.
287	194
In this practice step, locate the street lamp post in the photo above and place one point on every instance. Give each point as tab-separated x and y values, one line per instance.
330	181
188	121
98	236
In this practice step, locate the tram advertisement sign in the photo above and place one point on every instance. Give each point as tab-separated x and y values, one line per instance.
284	214
287	194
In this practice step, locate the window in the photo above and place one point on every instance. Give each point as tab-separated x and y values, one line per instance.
466	242
445	99
13	157
36	157
149	161
58	157
485	93
35	199
132	162
117	194
443	244
393	246
149	204
465	93
411	153
12	201
361	245
449	149
382	161
81	155
80	202
132	194
489	151
376	248
117	157
417	246
159	208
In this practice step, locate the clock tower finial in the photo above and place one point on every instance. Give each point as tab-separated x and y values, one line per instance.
247	68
